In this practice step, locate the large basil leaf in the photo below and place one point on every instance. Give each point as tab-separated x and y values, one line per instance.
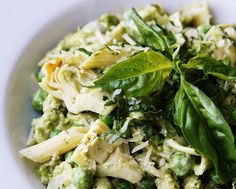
155	37
140	75
205	129
212	66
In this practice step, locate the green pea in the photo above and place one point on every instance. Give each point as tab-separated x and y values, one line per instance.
147	182
181	164
82	178
122	184
38	99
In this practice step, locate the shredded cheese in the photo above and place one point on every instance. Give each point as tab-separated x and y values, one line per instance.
100	37
128	39
173	144
125	126
147	156
164	155
139	147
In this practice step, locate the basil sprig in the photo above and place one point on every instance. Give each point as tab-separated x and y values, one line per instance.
201	122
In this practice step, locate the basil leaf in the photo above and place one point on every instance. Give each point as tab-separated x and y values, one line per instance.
138	76
155	37
212	66
205	129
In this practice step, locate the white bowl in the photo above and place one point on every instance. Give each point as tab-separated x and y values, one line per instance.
33	28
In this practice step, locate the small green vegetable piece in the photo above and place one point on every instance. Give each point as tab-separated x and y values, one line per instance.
155	37
181	164
122	184
108	20
138	76
106	119
68	156
212	66
146	183
82	178
204	28
38	99
55	133
85	51
205	129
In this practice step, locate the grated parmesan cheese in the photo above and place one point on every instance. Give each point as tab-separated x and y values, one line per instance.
173	144
128	39
139	147
125	126
147	156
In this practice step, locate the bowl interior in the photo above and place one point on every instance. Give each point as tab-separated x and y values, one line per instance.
19	112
